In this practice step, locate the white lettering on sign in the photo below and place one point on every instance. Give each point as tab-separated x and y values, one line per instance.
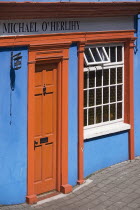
48	26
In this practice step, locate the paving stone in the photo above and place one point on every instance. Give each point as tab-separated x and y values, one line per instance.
127	208
133	205
120	204
113	188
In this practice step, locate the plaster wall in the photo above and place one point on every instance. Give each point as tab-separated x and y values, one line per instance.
137	87
13	130
73	117
105	151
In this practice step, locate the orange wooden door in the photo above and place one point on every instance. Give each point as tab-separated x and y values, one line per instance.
45	128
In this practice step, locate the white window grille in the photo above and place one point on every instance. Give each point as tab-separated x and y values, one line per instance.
96	55
104	85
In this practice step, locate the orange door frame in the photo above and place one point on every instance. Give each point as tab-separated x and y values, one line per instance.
46	54
54	47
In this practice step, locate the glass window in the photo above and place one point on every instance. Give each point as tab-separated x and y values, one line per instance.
103	84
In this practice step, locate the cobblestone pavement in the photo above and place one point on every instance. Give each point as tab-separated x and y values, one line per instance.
113	188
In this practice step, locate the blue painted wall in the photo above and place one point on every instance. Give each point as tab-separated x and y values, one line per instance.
102	152
73	116
13	130
137	87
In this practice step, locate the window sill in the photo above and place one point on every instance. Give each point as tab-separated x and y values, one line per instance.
105	130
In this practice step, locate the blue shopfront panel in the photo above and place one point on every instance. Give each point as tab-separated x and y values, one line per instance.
137	87
13	128
73	116
105	151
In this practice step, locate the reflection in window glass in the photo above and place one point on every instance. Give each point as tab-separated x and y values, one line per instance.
119	110
91	97
98	96
105	113
119	53
102	53
112	111
107	50
112	54
85	117
91	116
119	75
112	76
105	77
99	78
105	95
98	114
113	94
91	79
119	92
95	54
88	55
85	98
85	80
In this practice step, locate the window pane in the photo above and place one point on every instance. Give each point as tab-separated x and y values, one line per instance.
119	93
85	117
98	78
85	80
91	116
112	94
95	54
91	97
104	58
112	76
91	79
85	98
106	77
98	114
105	113
112	111
119	110
119	75
119	53
105	95
88	56
98	96
112	54
107	50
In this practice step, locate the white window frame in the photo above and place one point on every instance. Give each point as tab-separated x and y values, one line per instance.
94	62
112	126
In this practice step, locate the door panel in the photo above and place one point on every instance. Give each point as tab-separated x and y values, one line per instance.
45	128
48	114
38	159
38	116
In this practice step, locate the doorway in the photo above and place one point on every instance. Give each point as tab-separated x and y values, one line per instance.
45	132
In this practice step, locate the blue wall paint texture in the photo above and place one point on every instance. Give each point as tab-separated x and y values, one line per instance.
73	116
102	152
13	130
137	87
